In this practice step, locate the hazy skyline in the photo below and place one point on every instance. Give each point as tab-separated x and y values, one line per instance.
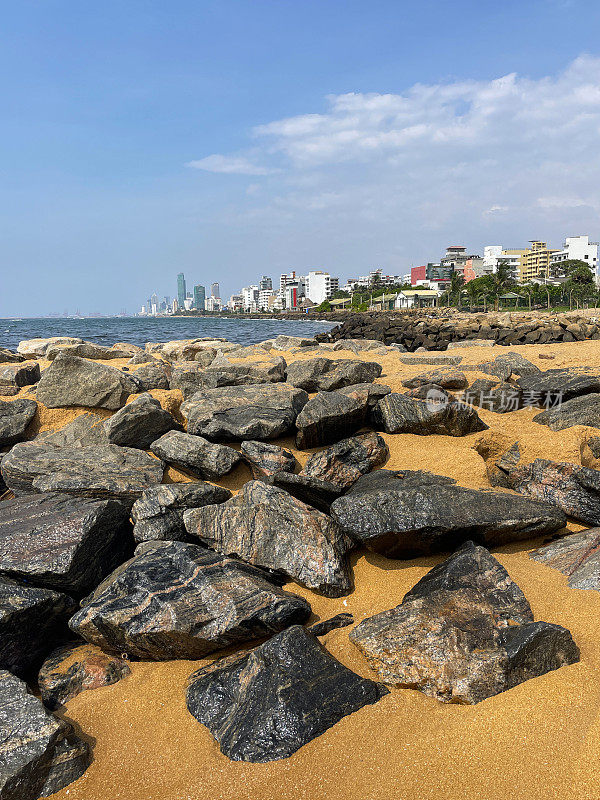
227	140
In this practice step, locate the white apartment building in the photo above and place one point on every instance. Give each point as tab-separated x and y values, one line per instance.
320	286
579	248
250	298
493	253
213	304
265	301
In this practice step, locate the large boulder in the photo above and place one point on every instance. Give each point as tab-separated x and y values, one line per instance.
343	463
497	397
266	526
446	378
577	556
583	410
574	489
87	429
265	704
32	622
36	348
89	350
8	357
374	391
543	388
63	542
158	514
263	411
265	459
397	413
74	381
312	491
139	423
327	375
196	454
18	375
421	513
92	471
15	416
40	752
225	373
507	364
290	342
329	417
176	600
465	632
74	668
153	375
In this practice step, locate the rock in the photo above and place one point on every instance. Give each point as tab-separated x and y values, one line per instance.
507	364
429	391
176	600
465	632
263	411
266	459
289	342
226	373
326	375
87	350
140	357
343	463
266	526
425	513
549	388
9	391
155	375
24	374
497	397
75	668
431	360
74	381
328	625
398	413
265	704
590	452
584	410
8	357
32	622
577	556
315	492
62	542
196	454
574	489
501	455
40	752
15	416
329	417
472	343
374	392
36	348
85	430
203	350
447	378
95	471
158	514
139	423
358	345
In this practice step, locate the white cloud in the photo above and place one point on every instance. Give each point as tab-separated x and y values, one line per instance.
229	165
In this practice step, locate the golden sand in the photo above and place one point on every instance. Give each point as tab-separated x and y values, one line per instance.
538	741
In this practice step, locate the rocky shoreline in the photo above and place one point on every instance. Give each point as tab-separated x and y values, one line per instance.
198	499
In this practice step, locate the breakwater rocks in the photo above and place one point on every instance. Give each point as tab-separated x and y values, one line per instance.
438	331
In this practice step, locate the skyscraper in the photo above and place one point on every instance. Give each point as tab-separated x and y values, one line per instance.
199	297
214	290
181	290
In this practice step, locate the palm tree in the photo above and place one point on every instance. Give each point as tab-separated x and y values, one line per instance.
456	284
500	280
528	291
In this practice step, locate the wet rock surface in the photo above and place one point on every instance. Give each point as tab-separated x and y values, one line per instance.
244	412
196	454
266	526
23	374
464	633
176	600
398	413
158	514
62	542
40	752
32	622
584	410
329	417
75	668
423	513
15	416
577	556
265	459
266	704
139	423
327	375
343	463
101	471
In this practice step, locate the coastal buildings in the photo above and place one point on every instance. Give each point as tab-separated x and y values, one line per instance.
199	297
181	290
575	248
535	262
320	286
215	291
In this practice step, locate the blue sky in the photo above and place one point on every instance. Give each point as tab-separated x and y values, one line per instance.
231	139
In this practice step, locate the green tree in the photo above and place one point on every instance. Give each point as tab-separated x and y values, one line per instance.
325	306
500	281
457	283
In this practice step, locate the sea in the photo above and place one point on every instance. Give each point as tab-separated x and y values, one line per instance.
139	330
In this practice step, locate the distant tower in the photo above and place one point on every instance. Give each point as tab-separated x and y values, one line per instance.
214	290
181	290
199	297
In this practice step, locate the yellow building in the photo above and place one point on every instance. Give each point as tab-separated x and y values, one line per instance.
535	262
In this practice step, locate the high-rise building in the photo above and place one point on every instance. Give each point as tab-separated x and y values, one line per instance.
181	290
199	297
265	283
320	286
535	262
215	291
577	248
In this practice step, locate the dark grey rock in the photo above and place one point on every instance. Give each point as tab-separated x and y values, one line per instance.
176	600
154	375
313	491
577	556
447	378
263	411
95	471
32	622
583	410
429	390
266	704
327	375
15	416
158	514
139	423
23	374
374	391
329	417
422	515
343	463
8	357
265	459
63	542
139	357
398	413
332	624
545	387
85	430
196	454
40	752
507	364
500	398
266	526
